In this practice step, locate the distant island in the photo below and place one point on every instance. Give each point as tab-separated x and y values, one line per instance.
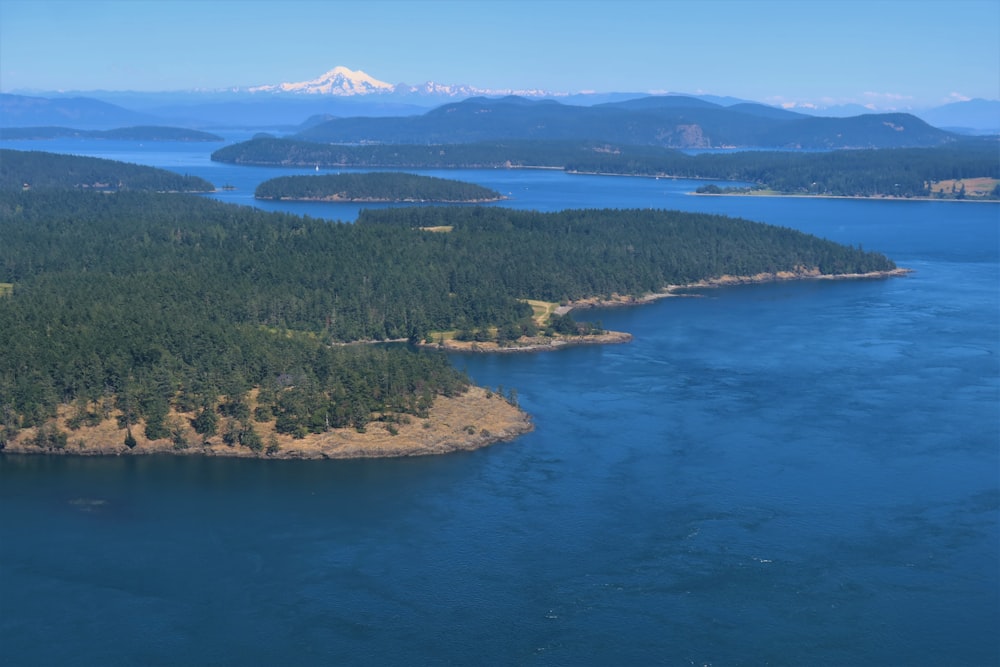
134	321
375	187
964	169
37	170
138	133
674	121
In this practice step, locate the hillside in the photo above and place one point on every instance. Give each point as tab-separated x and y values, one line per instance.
139	133
667	121
35	170
80	112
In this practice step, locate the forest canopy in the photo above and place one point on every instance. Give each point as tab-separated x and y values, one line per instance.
36	170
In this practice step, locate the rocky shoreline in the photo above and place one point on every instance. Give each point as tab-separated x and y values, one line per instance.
533	343
478	418
725	281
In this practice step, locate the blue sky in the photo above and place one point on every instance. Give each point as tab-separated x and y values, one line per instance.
888	54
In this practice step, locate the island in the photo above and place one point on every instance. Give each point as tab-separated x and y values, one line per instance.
137	133
375	187
137	322
38	170
966	168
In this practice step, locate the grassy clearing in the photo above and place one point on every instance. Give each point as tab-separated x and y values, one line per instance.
6	288
440	229
542	310
974	187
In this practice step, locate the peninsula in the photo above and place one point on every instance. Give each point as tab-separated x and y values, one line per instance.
144	322
475	418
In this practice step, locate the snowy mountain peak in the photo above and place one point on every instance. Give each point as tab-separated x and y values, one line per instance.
345	82
338	81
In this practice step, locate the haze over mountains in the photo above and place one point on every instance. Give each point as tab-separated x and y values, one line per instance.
342	92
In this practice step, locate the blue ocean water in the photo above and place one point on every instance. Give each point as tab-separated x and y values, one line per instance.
789	474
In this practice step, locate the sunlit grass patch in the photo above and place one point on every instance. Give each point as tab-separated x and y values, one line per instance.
974	187
541	310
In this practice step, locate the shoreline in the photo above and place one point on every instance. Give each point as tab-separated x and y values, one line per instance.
531	343
553	343
675	291
478	418
475	419
789	195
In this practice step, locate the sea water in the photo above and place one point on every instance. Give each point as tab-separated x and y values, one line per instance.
787	474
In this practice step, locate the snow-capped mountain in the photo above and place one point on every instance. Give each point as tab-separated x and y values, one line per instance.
344	82
338	81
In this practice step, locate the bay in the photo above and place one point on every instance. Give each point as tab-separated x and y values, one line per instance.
787	474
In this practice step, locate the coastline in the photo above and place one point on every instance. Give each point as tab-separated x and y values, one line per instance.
553	343
790	195
532	343
672	291
478	418
475	419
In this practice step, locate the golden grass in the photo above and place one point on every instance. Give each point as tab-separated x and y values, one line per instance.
439	228
6	288
974	187
474	419
541	310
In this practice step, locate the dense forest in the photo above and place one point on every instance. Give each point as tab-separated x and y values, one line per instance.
135	303
138	133
374	187
35	170
272	151
900	172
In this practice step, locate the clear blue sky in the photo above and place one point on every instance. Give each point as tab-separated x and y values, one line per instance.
892	54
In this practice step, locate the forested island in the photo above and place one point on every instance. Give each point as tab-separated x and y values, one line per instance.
137	133
36	170
937	172
375	187
139	321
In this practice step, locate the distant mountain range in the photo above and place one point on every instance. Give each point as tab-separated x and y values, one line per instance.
973	115
672	121
344	82
342	92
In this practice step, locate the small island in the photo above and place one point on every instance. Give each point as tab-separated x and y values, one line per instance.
380	187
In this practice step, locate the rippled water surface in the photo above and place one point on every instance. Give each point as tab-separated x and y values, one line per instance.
786	474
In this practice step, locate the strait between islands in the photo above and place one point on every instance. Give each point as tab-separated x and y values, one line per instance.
475	419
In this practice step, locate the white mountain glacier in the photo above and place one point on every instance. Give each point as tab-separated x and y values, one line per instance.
338	81
345	82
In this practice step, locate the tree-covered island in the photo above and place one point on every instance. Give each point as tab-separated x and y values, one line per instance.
375	187
966	169
138	133
139	322
37	170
